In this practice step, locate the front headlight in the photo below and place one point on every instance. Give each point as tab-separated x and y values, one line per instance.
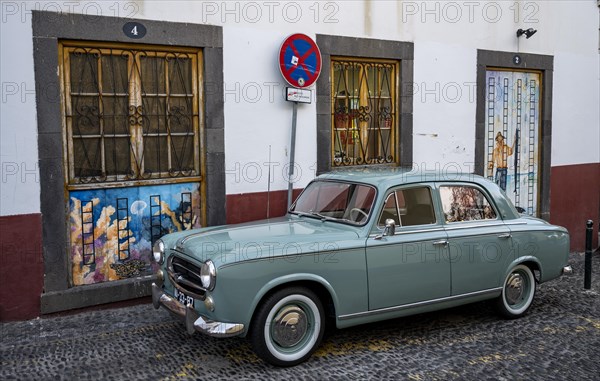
208	274
158	252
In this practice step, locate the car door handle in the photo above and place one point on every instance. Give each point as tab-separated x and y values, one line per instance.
440	242
505	235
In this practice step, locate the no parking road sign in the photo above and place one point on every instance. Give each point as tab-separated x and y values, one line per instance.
300	60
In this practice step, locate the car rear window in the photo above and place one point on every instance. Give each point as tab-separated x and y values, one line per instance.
465	203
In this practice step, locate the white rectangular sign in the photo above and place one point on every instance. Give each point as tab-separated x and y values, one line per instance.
298	95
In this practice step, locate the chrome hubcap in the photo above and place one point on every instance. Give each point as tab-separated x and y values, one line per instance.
289	326
514	288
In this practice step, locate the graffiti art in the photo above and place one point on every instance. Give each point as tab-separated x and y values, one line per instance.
112	230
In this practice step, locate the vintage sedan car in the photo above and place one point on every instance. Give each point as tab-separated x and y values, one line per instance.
357	247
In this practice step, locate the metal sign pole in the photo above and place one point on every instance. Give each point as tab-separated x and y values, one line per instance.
300	65
292	154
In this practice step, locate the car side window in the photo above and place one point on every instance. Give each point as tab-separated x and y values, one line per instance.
390	210
464	203
409	207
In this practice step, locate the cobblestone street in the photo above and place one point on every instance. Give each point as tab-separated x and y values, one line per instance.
558	339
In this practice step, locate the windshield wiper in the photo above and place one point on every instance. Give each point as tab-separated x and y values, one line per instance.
315	214
322	217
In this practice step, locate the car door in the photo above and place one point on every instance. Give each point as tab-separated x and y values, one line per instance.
410	266
480	244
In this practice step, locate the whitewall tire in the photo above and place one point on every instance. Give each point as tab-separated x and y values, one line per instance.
288	326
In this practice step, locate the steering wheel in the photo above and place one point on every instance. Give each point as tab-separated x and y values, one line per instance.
360	211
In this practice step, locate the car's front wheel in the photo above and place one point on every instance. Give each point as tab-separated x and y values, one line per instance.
517	292
288	326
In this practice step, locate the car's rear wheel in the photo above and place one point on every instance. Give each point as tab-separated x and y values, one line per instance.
517	292
288	326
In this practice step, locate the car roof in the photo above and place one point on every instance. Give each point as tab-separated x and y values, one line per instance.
384	177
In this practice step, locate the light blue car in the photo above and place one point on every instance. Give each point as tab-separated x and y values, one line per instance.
357	247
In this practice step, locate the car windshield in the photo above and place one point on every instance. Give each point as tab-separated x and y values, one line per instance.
336	201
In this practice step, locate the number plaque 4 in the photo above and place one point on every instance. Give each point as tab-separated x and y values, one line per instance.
134	30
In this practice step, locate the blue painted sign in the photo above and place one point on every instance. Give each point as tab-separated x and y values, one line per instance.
300	60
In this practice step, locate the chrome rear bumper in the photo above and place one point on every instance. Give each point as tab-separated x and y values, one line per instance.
567	270
193	320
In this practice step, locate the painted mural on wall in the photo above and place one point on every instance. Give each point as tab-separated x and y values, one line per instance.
112	230
512	135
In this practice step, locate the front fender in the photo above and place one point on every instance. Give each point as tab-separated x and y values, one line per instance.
241	286
291	278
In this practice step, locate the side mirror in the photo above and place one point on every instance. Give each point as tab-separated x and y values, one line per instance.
390	228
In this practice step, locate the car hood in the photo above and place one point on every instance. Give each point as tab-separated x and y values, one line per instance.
265	239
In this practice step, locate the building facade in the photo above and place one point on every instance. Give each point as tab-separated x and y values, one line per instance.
123	121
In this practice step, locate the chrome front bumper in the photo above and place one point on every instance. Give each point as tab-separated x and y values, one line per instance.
193	320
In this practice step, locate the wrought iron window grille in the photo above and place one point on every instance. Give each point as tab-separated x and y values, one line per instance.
131	114
364	117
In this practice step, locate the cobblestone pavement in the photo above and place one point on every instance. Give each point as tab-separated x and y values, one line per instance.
558	339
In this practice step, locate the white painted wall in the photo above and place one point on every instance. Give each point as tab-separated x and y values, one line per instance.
444	103
19	187
446	36
259	116
576	109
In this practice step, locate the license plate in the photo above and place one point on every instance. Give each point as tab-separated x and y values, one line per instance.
183	298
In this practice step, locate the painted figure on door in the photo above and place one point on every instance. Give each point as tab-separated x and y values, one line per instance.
500	160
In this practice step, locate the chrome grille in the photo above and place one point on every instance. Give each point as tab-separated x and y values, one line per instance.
185	276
